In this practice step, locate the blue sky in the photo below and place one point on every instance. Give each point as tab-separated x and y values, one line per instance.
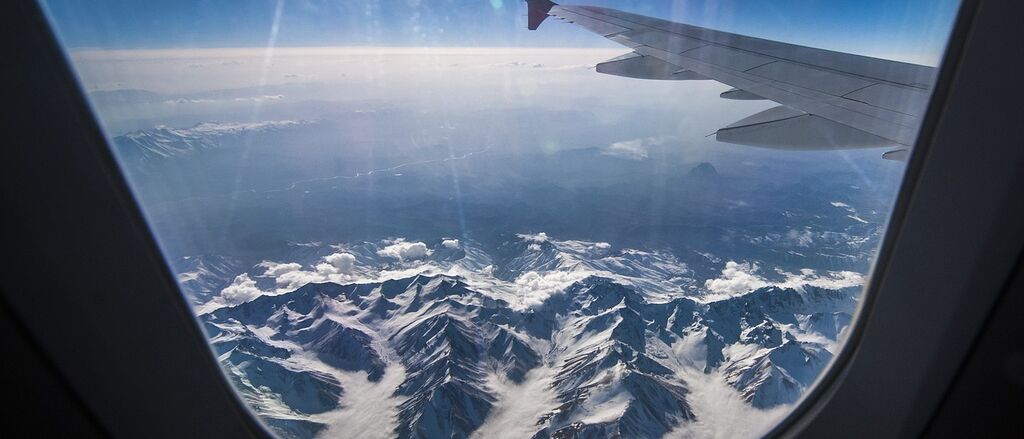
914	27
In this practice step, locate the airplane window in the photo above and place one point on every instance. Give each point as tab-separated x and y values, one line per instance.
511	218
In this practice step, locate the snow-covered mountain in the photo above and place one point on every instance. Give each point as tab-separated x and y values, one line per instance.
144	147
543	339
204	276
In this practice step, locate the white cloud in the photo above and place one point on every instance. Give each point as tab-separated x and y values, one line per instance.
405	251
534	287
533	247
857	219
336	267
275	269
636	149
343	262
188	101
180	101
241	290
736	278
290	276
739	278
294	280
628	149
539	237
831	280
722	412
261	98
450	243
853	212
800	238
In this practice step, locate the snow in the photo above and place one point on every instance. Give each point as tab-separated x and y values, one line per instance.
628	349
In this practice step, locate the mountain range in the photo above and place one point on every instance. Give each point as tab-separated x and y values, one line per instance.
607	352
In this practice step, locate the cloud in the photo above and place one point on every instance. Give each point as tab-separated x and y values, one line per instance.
736	278
275	269
342	262
180	101
290	276
450	243
739	278
241	290
628	149
294	280
337	267
853	212
800	238
636	149
833	280
189	101
535	66
539	237
723	413
533	247
405	251
534	287
260	98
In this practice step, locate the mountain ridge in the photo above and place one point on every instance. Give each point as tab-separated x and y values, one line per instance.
615	352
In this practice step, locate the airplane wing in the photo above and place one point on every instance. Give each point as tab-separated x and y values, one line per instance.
828	100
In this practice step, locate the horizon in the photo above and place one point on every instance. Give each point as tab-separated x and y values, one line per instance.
915	32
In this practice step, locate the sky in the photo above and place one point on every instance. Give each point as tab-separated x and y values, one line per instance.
912	30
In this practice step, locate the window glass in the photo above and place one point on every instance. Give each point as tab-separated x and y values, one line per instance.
421	219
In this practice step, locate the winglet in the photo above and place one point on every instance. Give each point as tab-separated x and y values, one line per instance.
537	10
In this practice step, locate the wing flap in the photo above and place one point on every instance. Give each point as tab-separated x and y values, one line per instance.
786	128
740	95
633	65
537	12
899	155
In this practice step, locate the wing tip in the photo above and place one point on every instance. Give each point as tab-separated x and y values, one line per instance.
537	11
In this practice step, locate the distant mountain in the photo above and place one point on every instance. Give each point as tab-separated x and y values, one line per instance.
146	147
107	98
704	172
204	276
608	356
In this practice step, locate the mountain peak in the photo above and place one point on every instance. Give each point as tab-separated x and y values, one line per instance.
704	171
